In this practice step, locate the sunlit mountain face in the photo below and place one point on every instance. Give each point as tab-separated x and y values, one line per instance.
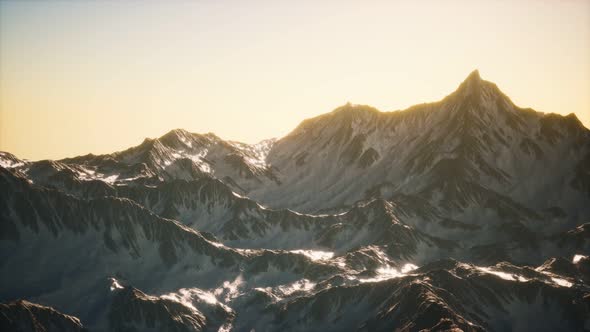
470	213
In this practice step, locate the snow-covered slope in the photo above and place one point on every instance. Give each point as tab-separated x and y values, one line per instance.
347	223
474	149
59	249
443	295
472	140
181	155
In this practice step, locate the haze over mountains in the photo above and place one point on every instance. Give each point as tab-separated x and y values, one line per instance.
468	213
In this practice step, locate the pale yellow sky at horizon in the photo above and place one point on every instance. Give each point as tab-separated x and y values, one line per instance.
100	76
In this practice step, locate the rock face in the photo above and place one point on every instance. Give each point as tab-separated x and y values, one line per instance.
347	223
473	141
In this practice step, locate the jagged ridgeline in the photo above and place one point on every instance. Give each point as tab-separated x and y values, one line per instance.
469	213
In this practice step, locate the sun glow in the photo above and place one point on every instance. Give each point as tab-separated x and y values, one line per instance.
100	76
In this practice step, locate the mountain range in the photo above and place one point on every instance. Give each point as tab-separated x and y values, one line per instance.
469	213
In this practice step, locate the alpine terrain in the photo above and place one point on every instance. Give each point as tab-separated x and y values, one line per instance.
465	214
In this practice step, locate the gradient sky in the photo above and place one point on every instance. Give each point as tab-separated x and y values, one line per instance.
99	76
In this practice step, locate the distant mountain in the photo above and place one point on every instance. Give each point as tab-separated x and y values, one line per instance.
469	213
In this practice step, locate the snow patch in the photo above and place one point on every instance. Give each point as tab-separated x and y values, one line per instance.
562	282
187	296
503	275
315	255
110	179
299	285
115	284
7	163
231	289
388	272
577	258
